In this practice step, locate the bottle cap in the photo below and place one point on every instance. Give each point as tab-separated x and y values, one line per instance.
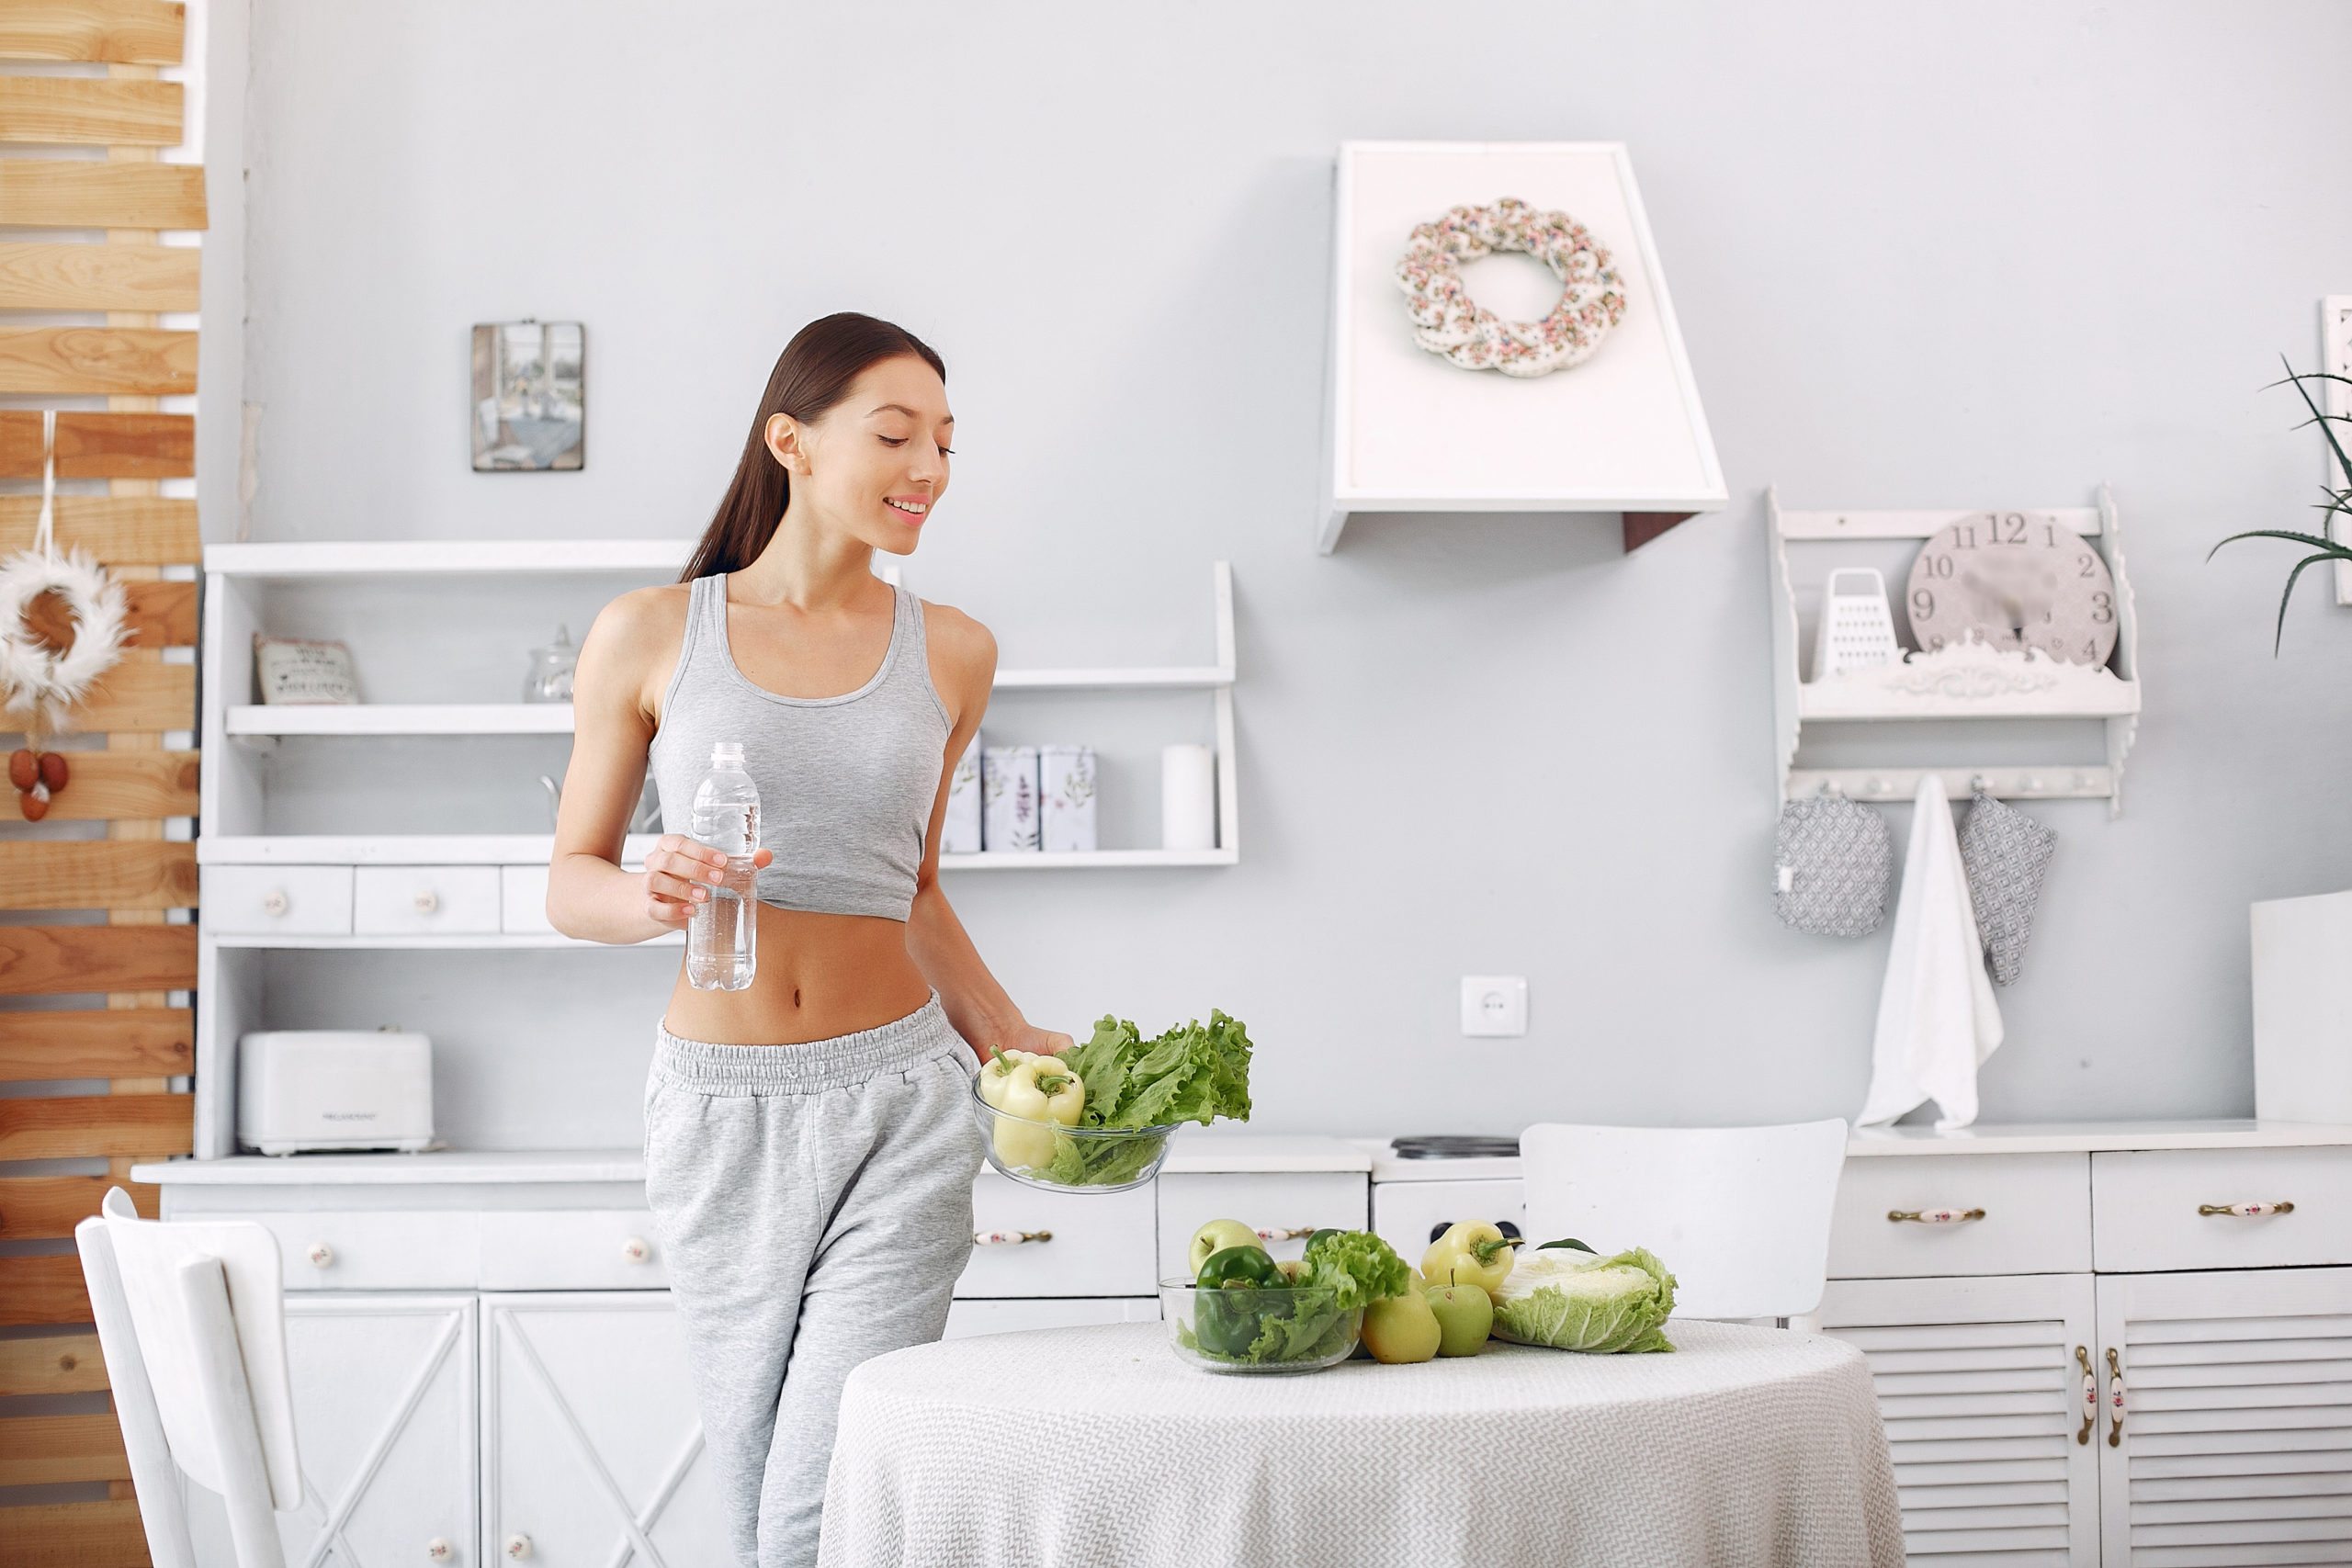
726	753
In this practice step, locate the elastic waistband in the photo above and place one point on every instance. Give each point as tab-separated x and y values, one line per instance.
708	1067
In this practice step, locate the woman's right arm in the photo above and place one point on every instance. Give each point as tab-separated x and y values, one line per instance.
589	896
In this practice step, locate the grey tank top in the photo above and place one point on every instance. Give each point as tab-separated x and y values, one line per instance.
846	783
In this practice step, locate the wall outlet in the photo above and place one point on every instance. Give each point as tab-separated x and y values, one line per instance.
1494	1004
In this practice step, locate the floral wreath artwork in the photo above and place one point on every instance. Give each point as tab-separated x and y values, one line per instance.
1447	321
38	683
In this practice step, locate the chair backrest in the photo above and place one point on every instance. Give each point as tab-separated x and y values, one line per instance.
1740	1214
191	1319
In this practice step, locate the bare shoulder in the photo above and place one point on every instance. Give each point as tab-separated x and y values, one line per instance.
633	645
960	644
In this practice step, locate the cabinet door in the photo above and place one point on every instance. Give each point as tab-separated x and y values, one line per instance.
1983	1388
592	1449
384	1414
2229	1440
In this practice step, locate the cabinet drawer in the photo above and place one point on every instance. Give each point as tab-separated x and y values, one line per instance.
2147	1206
1403	1212
1284	1208
2036	1208
1100	1245
523	900
308	900
571	1249
326	1250
405	898
966	1318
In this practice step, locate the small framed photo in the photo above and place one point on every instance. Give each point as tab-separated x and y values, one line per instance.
297	672
530	390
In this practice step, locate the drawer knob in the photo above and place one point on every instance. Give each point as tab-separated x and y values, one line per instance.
635	1249
275	901
518	1546
2247	1211
1009	1238
426	900
438	1550
1934	1216
1287	1232
319	1254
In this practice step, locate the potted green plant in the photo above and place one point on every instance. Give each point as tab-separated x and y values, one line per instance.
2323	545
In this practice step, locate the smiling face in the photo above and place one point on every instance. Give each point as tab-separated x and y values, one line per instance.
874	464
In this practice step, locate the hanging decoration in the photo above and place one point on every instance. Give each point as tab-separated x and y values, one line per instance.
39	685
1447	321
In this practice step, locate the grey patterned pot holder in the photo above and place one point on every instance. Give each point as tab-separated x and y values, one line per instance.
2004	853
1833	862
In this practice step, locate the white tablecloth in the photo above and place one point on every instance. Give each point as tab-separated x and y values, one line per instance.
1096	1446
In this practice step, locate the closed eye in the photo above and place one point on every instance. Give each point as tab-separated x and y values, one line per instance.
902	441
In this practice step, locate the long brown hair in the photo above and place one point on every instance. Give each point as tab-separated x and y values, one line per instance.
812	374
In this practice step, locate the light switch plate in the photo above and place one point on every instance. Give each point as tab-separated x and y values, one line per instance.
1494	1004
2335	359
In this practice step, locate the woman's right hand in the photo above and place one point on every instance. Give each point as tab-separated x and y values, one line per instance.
680	873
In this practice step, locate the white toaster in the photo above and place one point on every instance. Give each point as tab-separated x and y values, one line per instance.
333	1089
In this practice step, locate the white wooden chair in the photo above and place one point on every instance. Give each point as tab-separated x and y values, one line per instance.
191	1318
1740	1214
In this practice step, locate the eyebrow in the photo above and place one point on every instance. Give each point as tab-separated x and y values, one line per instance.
901	408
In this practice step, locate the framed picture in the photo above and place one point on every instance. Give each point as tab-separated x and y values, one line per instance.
530	394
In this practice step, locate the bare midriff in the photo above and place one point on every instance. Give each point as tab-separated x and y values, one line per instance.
818	975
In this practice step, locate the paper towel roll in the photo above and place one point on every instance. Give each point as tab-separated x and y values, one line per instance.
1188	797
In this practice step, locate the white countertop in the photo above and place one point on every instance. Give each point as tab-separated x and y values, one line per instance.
1205	1150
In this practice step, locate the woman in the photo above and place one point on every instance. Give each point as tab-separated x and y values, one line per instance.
808	1151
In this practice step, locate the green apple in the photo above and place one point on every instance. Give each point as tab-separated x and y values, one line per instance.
1401	1328
1215	1237
1466	1315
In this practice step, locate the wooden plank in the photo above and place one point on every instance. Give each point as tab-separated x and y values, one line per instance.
78	1126
76	874
44	193
74	1535
51	1451
136	698
61	960
40	1290
52	1363
65	276
140	361
47	1208
92	445
160	614
138	32
90	111
119	530
108	786
95	1042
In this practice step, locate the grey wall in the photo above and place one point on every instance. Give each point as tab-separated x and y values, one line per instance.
1986	254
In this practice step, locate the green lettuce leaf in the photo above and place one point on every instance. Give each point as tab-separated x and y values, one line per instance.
1193	1073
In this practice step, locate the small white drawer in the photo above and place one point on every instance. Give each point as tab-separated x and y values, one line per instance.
1079	1245
523	900
571	1249
1404	1213
306	900
418	898
1284	1208
390	1250
2152	1209
1961	1214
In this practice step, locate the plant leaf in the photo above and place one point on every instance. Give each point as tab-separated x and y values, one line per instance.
2342	462
2308	560
2328	546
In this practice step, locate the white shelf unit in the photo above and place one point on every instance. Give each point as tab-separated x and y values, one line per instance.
1969	685
429	622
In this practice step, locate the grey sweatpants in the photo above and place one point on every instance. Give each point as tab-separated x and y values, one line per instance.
814	1204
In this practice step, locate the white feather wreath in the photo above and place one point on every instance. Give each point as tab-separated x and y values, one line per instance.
42	686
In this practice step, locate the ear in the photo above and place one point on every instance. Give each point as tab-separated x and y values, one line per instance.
786	442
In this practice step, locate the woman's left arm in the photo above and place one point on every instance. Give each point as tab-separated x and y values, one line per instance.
963	662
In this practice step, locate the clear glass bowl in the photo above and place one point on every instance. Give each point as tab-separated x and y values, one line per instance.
1258	1328
1038	1154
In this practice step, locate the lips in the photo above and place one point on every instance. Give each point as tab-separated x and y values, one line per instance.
910	510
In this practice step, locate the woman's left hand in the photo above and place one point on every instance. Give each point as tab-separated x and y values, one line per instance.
1045	1042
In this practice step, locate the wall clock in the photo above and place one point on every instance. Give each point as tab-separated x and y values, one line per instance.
2016	580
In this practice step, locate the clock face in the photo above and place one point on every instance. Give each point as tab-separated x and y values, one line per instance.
2015	580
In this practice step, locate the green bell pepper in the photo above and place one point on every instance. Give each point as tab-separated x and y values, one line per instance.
1228	1309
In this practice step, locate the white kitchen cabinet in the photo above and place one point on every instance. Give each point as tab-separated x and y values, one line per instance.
2226	1435
384	1419
966	1319
1984	1386
1284	1208
592	1450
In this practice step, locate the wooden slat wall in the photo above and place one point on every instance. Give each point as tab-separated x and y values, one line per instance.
139	956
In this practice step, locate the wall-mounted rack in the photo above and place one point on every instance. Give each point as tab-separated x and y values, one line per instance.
1967	682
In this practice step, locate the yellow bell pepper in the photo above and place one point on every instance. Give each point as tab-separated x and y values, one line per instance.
1040	1090
1471	1252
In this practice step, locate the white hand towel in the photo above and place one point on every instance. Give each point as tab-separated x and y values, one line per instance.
1936	1018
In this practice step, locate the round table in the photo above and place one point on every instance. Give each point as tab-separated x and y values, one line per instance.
1097	1444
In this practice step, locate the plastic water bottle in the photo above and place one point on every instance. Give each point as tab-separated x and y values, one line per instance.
722	951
